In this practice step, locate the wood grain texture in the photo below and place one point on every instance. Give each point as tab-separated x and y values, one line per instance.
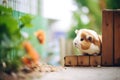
107	38
71	60
95	60
83	60
117	37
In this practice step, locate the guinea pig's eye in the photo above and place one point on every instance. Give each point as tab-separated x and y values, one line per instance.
81	39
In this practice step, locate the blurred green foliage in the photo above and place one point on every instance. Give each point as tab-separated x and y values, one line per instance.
113	4
94	15
78	24
11	49
94	11
26	20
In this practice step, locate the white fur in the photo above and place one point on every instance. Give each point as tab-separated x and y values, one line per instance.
90	31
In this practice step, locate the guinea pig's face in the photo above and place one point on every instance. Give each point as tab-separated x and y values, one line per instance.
83	39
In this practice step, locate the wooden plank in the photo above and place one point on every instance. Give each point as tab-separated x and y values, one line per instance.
117	37
107	38
95	60
83	60
69	47
62	50
70	60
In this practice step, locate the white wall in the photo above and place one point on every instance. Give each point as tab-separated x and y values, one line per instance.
60	11
26	6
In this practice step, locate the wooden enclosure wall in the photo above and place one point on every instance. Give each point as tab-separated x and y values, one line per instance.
107	38
117	38
110	44
111	38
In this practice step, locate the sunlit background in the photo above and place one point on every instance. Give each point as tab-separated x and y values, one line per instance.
59	19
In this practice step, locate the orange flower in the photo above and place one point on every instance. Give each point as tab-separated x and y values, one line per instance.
31	52
40	36
26	60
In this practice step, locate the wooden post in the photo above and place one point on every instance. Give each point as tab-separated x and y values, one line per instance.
62	51
107	38
111	38
83	60
69	47
117	37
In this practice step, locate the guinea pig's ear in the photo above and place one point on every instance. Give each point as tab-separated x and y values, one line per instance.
90	38
76	31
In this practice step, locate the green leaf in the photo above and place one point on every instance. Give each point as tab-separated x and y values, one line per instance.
10	23
11	49
26	20
5	11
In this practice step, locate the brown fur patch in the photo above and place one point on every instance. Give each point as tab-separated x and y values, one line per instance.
86	43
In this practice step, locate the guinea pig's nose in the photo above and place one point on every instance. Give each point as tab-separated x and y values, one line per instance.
75	43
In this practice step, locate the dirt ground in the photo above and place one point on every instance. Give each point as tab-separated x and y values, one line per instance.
85	73
72	73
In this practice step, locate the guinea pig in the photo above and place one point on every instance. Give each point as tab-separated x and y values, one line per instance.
88	42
